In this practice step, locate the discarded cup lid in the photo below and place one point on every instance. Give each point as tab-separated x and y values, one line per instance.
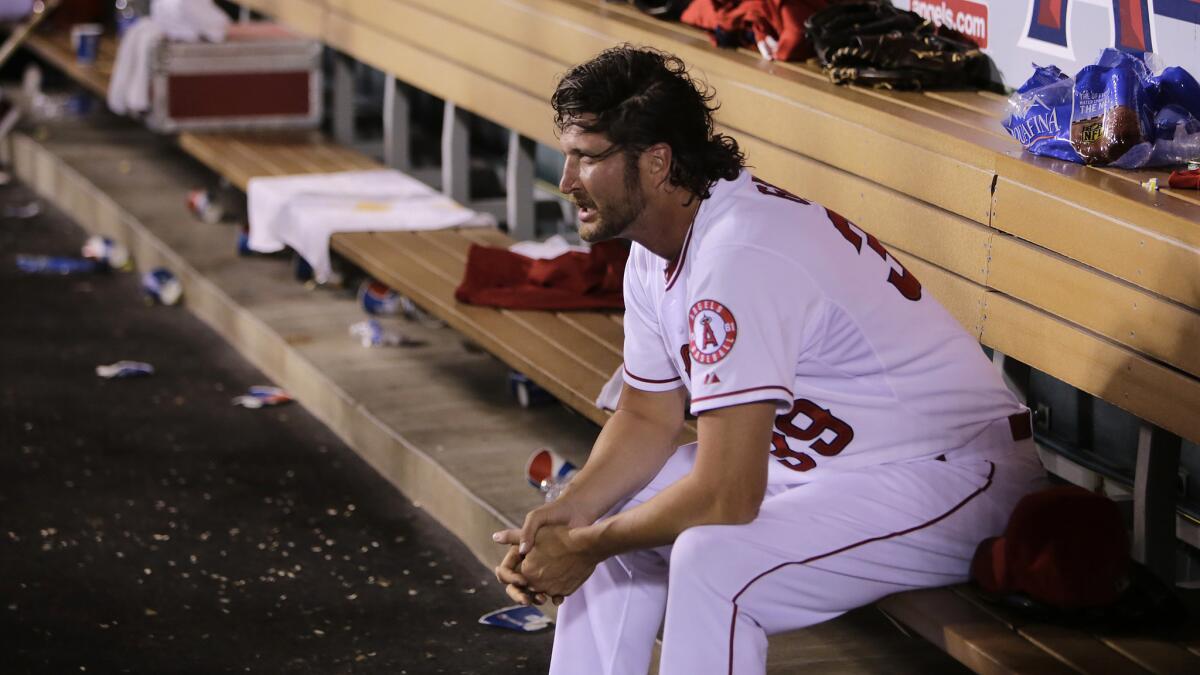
123	369
517	617
262	395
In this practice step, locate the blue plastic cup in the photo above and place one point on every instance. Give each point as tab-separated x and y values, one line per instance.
85	37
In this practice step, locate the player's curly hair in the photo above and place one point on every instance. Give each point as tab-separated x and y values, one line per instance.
641	96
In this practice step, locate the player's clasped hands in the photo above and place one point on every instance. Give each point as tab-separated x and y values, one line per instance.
556	568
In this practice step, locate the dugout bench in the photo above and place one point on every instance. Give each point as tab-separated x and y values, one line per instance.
1074	271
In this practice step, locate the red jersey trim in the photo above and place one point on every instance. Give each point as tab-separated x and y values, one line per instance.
648	381
743	391
675	265
733	620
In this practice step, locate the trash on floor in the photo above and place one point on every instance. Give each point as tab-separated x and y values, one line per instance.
517	617
108	252
260	396
48	264
21	210
124	369
378	300
373	334
161	286
526	391
205	206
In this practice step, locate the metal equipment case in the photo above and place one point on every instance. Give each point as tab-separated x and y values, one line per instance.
262	77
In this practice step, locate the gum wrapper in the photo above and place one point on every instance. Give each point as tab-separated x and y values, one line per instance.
123	369
262	395
517	617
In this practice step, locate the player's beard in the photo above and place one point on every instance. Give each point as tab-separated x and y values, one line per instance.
616	215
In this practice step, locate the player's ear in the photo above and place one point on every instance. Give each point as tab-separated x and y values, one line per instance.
656	163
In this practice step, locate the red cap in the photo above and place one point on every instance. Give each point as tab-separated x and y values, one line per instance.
1064	546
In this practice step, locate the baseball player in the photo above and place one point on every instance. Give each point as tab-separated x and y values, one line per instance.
854	441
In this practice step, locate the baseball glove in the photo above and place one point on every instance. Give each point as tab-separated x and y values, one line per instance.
877	45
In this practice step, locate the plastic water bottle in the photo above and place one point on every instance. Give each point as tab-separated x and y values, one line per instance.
45	264
552	488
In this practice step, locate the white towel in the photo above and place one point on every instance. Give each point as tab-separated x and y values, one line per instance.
129	87
304	211
179	20
554	246
610	393
190	20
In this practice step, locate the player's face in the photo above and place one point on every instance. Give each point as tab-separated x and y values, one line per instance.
598	177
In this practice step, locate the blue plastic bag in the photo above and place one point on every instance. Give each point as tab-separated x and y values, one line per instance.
1116	112
1040	114
1110	112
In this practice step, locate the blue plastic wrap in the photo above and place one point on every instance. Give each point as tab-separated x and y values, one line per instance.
1116	112
1040	114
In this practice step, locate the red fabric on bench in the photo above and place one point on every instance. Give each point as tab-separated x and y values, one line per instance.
779	19
497	277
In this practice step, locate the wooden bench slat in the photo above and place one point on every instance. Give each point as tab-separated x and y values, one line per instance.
488	237
1082	651
850	139
581	348
1157	656
1153	262
995	108
56	48
969	634
860	642
596	325
587	352
1119	311
440	74
513	343
1077	648
599	326
1096	365
460	244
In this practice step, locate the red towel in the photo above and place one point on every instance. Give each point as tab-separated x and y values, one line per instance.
1185	180
781	20
498	277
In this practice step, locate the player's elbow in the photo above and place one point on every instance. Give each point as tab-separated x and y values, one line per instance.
734	507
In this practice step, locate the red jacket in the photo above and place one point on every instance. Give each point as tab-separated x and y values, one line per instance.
776	27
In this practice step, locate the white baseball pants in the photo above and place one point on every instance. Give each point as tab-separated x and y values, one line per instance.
814	552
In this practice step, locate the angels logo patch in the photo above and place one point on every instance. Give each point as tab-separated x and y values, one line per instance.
713	331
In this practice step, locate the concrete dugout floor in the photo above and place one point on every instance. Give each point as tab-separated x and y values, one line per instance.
148	526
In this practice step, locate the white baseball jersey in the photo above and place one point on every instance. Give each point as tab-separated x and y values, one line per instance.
774	298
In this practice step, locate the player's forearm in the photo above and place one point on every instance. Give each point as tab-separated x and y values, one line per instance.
629	452
685	504
725	487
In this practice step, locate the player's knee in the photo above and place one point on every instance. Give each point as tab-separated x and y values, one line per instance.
697	554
